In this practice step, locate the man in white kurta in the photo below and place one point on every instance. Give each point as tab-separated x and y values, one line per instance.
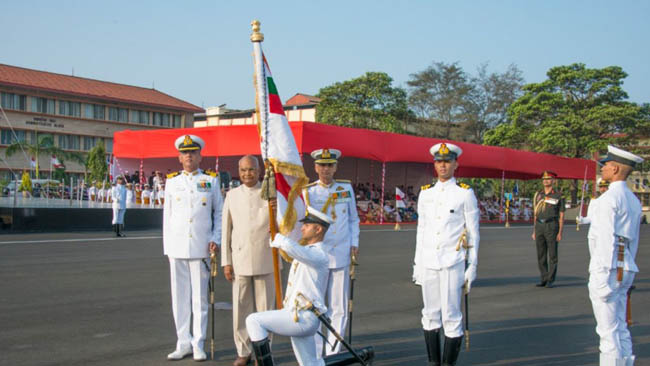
446	211
307	276
246	256
118	192
613	243
191	230
337	199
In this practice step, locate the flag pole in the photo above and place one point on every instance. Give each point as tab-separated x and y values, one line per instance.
261	110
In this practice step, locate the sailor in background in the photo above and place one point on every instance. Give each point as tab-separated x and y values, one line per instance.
548	209
118	193
336	198
613	243
448	215
191	230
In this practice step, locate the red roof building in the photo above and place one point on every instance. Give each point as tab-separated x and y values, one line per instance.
77	112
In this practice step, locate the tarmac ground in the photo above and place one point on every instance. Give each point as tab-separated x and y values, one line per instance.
92	299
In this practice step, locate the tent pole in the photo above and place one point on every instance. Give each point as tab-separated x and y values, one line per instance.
503	181
383	181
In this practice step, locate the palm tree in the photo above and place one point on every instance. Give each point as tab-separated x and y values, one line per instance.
44	144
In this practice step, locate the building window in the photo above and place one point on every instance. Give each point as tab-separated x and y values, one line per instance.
94	111
118	114
135	116
165	119
13	101
42	105
89	142
157	119
109	145
7	137
646	199
72	109
144	117
177	121
69	142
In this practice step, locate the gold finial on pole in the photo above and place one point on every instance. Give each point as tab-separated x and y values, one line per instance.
257	36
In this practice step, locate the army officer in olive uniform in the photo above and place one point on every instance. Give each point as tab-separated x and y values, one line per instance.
547	231
191	230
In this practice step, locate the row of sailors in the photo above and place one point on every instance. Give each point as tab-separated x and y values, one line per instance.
137	196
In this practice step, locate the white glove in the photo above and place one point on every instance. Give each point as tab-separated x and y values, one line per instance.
470	276
416	275
277	242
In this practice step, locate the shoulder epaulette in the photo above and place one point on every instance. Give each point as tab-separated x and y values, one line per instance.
210	172
310	184
343	181
426	186
463	185
172	175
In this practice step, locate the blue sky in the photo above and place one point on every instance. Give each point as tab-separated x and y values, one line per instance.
200	51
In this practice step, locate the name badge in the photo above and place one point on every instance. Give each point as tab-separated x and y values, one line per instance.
551	201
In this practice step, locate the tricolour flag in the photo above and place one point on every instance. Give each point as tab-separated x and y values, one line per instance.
399	198
278	147
55	162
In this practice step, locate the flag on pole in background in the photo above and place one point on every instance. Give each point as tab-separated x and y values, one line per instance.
278	147
55	162
399	198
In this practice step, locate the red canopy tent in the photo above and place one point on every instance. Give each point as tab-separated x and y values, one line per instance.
476	161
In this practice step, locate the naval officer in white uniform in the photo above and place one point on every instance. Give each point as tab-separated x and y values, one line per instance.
307	276
118	192
336	198
191	230
446	211
613	243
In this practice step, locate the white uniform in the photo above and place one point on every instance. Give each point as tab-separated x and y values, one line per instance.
101	194
308	275
616	218
191	220
92	193
160	196
119	203
444	211
130	198
341	236
147	197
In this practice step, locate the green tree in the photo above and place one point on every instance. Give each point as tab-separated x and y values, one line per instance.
369	101
43	144
575	112
440	93
489	99
96	163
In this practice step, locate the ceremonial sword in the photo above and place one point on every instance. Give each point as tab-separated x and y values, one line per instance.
462	242
353	266
582	200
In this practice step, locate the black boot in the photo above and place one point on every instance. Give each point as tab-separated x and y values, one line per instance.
262	351
120	227
432	340
451	351
115	230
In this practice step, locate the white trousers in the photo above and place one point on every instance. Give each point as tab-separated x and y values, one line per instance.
281	322
442	290
337	295
609	301
249	294
118	216
189	283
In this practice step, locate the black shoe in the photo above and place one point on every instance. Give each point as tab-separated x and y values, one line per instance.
549	285
120	227
115	230
432	340
262	350
541	284
451	351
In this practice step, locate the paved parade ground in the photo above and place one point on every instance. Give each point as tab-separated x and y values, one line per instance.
90	299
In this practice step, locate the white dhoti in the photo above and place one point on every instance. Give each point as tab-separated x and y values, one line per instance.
282	322
442	290
337	296
609	301
118	215
189	285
